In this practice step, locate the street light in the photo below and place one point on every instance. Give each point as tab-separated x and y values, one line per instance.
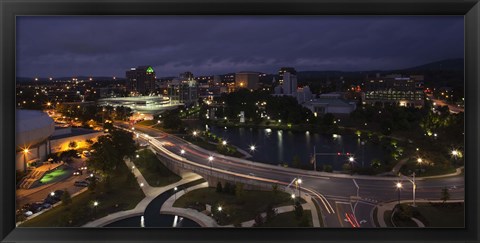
252	148
210	160
95	204
52	194
224	142
141	184
419	160
25	152
299	183
219	208
399	188
195	133
182	152
175	192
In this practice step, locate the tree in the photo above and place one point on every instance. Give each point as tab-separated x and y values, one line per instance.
66	198
123	143
72	144
271	213
227	188
93	185
105	156
275	190
259	220
298	209
445	195
219	187
376	163
239	192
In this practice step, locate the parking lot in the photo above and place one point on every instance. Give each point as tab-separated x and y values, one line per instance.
38	194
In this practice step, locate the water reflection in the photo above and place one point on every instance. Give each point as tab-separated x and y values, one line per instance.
277	146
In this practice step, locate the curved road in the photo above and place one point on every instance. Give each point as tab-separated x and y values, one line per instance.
332	192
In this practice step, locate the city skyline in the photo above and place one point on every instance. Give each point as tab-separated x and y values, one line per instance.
66	46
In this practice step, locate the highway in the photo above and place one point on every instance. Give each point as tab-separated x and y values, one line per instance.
333	192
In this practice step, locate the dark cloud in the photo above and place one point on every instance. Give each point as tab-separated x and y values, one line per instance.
65	46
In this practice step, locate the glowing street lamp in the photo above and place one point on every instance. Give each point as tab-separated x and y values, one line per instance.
252	148
210	160
299	183
182	152
224	142
399	187
219	208
419	160
351	159
25	153
195	133
52	194
175	193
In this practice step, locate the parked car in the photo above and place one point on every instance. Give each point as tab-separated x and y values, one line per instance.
28	213
46	205
81	183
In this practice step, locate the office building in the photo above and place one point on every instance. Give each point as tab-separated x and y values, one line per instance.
141	80
395	90
289	86
183	89
283	70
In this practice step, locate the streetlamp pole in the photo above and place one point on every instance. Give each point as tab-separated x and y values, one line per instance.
363	154
414	189
314	159
399	187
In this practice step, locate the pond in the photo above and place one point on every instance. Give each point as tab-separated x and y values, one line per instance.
281	146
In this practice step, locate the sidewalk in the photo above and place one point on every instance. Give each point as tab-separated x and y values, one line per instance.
200	218
206	221
383	207
150	194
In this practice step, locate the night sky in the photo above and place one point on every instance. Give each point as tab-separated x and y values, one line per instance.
207	45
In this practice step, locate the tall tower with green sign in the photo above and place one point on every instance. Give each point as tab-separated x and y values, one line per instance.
141	80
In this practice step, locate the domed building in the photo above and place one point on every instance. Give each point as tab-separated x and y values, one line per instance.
33	129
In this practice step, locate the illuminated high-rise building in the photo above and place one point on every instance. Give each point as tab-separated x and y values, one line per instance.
141	80
283	70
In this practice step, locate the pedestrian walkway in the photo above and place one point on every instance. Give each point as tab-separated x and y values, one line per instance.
200	218
150	194
206	221
383	207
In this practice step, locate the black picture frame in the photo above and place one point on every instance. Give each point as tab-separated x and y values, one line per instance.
11	8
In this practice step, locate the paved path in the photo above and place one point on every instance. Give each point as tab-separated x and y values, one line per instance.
150	194
206	221
199	217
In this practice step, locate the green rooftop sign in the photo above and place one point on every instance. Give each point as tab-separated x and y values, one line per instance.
150	70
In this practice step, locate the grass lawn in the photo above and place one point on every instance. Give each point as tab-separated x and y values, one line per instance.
153	170
123	193
289	220
441	215
432	215
212	147
253	202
